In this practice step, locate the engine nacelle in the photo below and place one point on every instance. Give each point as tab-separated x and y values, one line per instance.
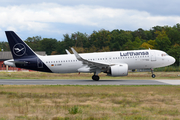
118	70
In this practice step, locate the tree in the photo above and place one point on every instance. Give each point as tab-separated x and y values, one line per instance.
105	49
137	43
68	42
146	45
49	45
139	33
4	46
175	52
154	29
128	45
115	46
162	40
79	49
121	37
177	26
100	39
152	42
60	49
34	42
174	35
80	39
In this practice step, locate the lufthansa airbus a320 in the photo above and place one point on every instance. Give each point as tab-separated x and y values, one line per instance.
115	63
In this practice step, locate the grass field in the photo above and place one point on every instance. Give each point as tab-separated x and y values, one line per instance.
56	102
131	75
63	102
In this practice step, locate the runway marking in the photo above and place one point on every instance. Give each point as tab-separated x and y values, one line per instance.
171	82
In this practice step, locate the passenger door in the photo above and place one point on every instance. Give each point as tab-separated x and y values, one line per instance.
153	56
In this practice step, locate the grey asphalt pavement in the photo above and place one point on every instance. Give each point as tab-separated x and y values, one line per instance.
89	82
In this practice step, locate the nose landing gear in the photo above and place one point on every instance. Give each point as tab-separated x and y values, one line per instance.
153	75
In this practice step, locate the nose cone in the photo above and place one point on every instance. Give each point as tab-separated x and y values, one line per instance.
171	60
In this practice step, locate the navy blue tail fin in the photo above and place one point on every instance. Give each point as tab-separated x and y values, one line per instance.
18	48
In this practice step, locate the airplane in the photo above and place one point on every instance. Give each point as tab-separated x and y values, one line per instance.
116	63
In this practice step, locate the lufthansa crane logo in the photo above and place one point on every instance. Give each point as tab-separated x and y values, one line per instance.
19	49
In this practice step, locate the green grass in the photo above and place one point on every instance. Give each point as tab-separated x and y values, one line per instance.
85	76
88	102
168	69
103	102
74	110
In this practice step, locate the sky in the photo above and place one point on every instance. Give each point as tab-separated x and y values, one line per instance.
54	18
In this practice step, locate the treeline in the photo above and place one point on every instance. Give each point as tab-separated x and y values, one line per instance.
164	38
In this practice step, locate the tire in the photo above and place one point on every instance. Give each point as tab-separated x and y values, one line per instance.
95	77
153	75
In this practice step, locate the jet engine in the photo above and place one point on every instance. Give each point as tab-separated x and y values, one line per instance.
118	70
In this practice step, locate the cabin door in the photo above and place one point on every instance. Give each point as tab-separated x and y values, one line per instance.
153	56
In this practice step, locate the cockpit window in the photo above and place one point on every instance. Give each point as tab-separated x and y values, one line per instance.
164	54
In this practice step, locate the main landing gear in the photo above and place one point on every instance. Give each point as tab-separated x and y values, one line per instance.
95	77
153	75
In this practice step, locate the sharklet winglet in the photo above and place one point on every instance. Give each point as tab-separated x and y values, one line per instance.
77	55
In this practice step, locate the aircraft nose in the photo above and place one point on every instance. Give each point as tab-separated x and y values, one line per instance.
172	60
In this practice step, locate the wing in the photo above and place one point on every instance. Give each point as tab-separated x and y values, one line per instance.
93	66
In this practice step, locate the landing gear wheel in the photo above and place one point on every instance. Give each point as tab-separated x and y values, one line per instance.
95	77
153	75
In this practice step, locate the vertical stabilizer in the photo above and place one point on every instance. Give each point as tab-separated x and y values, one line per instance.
18	48
24	56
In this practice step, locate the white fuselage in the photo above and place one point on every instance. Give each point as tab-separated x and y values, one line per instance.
69	63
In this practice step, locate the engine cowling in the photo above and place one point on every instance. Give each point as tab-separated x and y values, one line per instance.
118	70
